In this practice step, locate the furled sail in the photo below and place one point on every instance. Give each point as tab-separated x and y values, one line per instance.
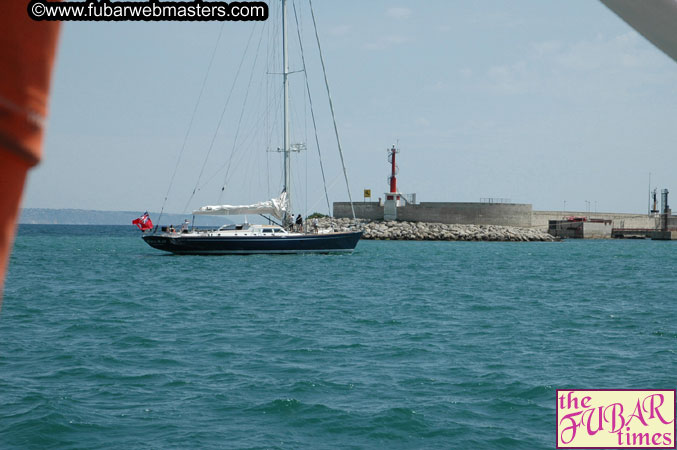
275	207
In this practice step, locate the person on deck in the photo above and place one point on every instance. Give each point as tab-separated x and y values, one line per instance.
288	222
299	223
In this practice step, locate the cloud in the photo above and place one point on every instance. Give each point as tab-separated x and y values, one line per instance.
601	53
398	13
510	79
582	68
465	72
385	42
546	48
496	19
439	86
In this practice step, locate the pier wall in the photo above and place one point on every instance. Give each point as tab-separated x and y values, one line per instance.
363	210
618	220
508	214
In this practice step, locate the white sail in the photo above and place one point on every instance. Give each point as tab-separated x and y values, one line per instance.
275	207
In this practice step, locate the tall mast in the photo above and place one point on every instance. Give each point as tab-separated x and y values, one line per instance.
285	75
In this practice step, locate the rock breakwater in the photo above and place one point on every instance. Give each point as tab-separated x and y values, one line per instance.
424	231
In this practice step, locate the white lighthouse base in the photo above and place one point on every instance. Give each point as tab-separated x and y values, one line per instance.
390	210
393	200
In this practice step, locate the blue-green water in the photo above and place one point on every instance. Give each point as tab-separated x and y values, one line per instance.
107	343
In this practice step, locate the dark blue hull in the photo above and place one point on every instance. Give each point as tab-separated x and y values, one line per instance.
219	245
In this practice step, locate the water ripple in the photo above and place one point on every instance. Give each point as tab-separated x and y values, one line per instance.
401	345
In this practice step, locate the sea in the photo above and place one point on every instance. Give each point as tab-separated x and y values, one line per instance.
108	343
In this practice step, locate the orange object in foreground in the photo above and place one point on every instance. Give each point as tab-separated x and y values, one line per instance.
13	170
27	51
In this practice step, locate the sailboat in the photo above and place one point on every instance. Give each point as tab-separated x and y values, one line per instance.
250	238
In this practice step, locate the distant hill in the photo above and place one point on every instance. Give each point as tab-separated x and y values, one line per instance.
93	217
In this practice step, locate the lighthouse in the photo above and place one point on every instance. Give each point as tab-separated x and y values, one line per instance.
393	197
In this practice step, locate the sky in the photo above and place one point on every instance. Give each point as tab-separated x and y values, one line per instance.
540	102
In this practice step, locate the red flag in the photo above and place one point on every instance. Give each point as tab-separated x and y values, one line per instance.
144	223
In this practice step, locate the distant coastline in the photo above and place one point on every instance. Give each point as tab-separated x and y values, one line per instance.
47	216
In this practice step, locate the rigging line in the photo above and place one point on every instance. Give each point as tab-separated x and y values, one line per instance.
192	118
245	138
244	103
253	131
305	117
223	112
243	135
274	131
331	185
312	111
267	174
331	106
267	114
299	29
270	220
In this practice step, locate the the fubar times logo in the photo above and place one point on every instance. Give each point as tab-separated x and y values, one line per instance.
624	418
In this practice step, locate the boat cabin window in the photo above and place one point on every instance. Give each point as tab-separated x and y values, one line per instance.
267	230
233	226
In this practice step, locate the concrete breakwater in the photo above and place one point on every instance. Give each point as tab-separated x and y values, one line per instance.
424	231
